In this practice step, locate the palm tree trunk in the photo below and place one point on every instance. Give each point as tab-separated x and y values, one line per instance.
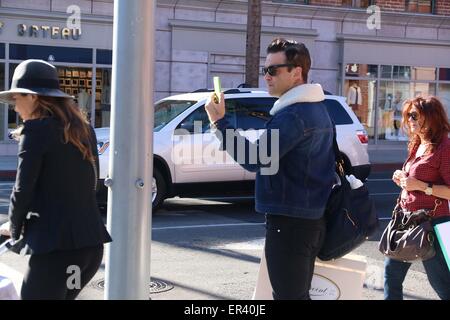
253	43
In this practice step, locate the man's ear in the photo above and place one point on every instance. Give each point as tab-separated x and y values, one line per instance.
298	73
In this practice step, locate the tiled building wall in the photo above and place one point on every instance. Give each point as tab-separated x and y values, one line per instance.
391	5
443	7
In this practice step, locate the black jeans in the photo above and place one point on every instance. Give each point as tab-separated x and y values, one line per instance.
292	245
53	276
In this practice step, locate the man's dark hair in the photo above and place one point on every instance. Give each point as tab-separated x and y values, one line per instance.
296	53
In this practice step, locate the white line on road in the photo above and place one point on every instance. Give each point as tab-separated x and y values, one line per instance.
210	226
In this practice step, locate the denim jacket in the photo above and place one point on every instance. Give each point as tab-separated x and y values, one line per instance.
293	158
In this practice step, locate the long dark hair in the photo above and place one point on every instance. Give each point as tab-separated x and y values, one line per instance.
435	126
75	126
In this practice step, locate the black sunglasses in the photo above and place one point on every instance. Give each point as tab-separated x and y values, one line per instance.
413	115
272	70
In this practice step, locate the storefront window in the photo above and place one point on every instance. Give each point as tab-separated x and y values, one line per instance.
103	97
104	56
77	82
424	74
444	95
2	51
396	72
356	3
419	6
390	104
444	74
361	98
361	70
13	117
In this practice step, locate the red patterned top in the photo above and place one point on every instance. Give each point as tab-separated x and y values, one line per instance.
430	168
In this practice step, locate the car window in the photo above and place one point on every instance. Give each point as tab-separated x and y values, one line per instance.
167	110
337	112
198	122
253	113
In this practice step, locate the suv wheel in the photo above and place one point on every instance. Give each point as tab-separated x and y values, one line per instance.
159	189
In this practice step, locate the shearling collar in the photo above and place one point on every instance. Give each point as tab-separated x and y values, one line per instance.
301	93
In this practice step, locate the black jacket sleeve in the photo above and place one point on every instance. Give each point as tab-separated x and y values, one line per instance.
32	147
93	141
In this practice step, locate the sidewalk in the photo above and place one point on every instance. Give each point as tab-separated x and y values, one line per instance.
383	157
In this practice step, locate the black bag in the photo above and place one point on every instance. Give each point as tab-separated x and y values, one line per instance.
409	236
18	246
350	215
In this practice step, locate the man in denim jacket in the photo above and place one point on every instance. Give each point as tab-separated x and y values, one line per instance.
299	142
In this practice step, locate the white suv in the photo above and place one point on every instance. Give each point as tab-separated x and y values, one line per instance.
183	162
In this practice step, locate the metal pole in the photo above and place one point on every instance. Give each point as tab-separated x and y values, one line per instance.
130	164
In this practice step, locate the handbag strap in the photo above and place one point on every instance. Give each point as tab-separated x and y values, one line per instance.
337	153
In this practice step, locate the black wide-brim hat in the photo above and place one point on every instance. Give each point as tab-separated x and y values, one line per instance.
34	77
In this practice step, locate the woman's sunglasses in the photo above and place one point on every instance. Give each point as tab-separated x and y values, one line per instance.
413	115
272	70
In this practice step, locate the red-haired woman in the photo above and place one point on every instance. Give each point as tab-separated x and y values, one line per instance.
425	177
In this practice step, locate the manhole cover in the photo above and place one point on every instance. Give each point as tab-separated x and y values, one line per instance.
156	286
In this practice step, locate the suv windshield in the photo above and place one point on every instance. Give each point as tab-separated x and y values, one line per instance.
167	110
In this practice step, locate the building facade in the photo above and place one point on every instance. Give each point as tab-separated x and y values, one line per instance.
375	59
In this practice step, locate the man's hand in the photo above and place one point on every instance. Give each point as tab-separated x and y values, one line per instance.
216	111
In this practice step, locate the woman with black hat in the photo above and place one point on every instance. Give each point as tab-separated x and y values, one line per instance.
53	203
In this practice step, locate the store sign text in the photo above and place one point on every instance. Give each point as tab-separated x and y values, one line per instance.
47	31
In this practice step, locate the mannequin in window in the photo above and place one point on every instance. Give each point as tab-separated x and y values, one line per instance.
354	98
84	101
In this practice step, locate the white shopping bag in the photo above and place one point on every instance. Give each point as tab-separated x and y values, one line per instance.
340	279
10	283
443	234
7	289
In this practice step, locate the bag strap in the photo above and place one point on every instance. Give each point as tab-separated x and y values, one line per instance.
337	153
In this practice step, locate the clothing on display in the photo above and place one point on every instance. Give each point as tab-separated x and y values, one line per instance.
354	99
84	101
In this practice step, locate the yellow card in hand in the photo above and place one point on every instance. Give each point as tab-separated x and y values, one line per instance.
217	89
